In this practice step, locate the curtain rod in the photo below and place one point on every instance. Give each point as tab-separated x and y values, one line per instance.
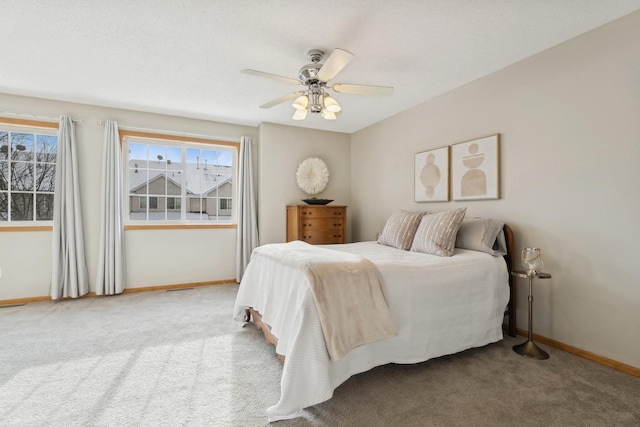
35	117
172	133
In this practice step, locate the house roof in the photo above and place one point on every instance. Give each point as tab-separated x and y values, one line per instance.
197	183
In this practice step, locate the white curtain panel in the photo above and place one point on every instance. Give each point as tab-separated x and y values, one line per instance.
112	275
69	277
247	237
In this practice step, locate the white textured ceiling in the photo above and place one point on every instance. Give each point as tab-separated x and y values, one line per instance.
184	57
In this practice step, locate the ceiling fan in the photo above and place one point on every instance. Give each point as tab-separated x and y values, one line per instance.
315	76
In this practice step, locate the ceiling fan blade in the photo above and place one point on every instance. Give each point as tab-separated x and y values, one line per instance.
271	76
281	99
363	89
338	59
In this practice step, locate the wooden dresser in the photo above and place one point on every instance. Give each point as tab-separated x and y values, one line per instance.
317	224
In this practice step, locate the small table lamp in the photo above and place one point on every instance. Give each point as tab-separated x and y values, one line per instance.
532	261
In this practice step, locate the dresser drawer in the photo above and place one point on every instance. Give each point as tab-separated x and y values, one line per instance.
322	237
322	230
323	240
321	212
321	225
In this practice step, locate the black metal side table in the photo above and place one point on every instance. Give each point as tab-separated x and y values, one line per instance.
529	348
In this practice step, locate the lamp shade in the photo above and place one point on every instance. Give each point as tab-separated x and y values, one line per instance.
301	102
532	260
331	104
300	115
328	115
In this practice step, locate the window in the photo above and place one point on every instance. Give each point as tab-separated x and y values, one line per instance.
225	204
179	181
173	203
27	173
153	203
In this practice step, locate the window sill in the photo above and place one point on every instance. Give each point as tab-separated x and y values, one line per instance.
26	228
177	226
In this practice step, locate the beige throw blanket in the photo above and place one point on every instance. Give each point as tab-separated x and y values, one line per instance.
348	293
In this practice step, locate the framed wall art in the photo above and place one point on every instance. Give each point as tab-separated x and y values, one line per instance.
475	167
431	175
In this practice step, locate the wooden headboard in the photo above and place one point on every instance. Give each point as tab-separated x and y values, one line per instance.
511	307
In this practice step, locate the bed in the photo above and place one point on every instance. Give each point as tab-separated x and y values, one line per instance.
440	305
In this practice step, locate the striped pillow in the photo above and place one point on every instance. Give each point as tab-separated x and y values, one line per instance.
399	230
482	234
436	234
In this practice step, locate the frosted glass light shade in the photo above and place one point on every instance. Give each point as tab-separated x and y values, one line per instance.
331	104
301	102
300	115
328	115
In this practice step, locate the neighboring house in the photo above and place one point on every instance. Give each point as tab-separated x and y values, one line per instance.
207	191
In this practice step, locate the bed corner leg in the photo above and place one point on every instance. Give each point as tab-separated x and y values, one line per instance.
247	317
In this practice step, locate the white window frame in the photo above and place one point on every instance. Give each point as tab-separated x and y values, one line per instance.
36	128
184	143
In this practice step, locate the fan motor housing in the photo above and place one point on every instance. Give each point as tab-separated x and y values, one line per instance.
309	73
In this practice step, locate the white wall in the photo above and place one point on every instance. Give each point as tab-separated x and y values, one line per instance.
154	257
569	120
281	149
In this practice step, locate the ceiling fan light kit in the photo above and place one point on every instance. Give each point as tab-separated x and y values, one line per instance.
316	101
316	76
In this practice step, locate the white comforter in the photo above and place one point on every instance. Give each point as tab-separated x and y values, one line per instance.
440	306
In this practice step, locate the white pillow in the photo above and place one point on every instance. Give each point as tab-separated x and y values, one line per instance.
399	230
482	234
436	234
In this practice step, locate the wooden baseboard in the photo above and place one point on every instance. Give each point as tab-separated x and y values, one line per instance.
619	366
22	301
178	286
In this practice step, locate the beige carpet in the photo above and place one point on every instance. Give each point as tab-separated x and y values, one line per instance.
178	359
